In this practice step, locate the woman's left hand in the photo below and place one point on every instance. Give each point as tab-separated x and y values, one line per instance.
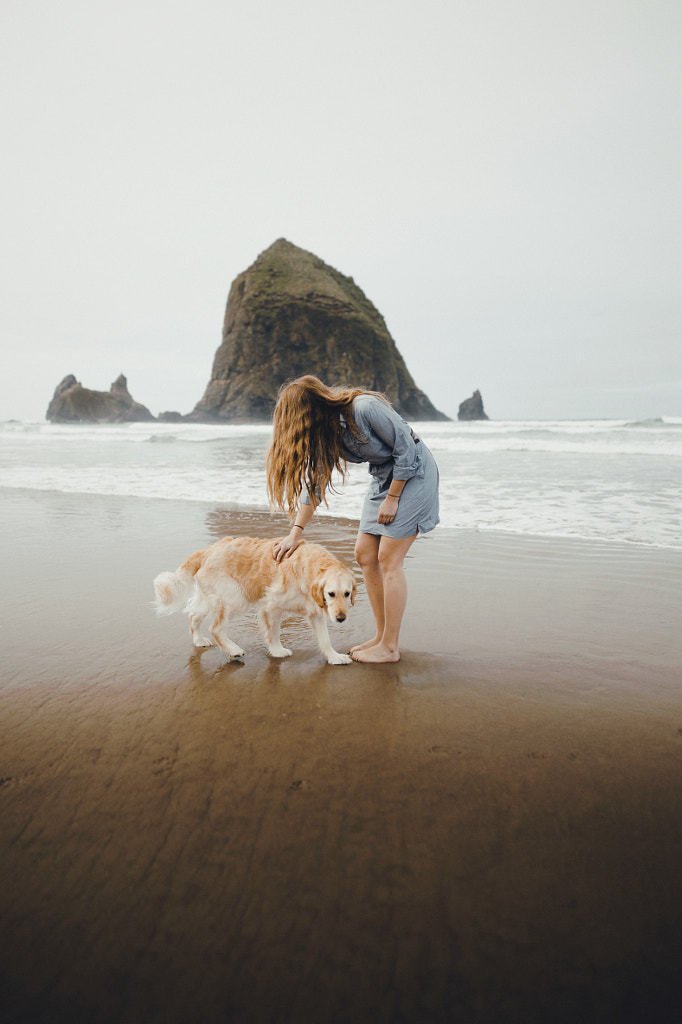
388	510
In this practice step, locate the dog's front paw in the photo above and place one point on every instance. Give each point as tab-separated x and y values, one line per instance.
339	659
280	652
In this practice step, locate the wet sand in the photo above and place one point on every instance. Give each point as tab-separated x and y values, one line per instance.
488	831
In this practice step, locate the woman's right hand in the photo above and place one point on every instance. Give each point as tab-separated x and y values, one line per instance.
286	546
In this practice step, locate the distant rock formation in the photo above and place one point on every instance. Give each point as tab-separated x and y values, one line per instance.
291	314
472	408
72	403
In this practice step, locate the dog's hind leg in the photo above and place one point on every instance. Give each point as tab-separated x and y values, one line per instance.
198	639
220	636
271	622
199	609
319	624
228	602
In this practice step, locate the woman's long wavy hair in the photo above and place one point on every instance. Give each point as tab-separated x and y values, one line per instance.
306	446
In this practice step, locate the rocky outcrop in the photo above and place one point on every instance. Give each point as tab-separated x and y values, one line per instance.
472	408
72	403
290	314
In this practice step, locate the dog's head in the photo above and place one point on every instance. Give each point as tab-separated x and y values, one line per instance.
334	592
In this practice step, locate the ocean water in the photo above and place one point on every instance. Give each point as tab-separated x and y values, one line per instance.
606	480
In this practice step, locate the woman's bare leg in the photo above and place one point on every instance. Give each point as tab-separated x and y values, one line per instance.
391	555
367	557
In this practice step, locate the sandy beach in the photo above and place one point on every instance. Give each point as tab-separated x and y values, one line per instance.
488	831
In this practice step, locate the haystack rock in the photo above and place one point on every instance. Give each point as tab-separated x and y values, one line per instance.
290	314
472	408
72	403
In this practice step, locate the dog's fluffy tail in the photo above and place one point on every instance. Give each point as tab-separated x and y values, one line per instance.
174	589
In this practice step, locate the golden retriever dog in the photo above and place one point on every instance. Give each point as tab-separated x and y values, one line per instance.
219	583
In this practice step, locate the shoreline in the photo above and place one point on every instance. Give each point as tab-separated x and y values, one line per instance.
577	479
489	830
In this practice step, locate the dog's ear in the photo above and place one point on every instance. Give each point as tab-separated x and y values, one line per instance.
353	592
317	592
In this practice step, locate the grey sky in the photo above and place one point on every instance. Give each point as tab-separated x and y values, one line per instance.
501	178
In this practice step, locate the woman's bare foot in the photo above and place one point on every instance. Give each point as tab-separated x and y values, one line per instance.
368	643
374	655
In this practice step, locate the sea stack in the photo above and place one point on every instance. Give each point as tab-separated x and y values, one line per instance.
472	408
72	403
290	314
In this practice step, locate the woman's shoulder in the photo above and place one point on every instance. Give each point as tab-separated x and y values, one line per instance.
369	409
365	405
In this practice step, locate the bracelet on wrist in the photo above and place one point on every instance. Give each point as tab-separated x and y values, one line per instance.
299	527
392	495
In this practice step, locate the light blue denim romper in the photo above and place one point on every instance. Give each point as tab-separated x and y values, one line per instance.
393	453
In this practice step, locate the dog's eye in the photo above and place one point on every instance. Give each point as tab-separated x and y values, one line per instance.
331	593
347	593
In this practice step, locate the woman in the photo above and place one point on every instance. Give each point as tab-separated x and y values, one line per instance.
318	430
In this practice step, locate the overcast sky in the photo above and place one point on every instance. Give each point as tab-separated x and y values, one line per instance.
501	178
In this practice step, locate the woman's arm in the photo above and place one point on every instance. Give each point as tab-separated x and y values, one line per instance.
389	427
283	548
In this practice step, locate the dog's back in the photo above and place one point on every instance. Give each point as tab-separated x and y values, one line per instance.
247	560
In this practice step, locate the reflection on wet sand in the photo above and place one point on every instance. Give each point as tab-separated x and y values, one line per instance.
336	534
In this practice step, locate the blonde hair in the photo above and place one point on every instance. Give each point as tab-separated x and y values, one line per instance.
306	446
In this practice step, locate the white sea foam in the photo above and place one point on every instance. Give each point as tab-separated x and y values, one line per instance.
607	480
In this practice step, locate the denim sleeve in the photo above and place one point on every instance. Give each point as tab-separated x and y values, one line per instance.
390	428
305	496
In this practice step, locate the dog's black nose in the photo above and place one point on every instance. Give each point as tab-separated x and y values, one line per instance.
340	618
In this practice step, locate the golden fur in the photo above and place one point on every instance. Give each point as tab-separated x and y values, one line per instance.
306	444
220	582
